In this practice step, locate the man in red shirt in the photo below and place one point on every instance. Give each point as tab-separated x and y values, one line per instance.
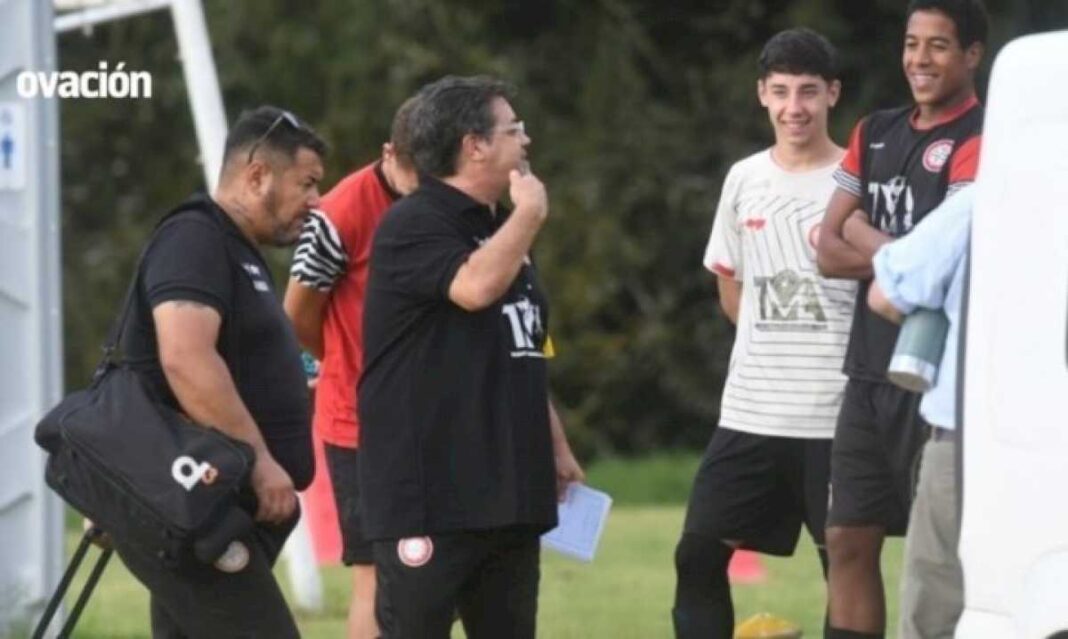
324	299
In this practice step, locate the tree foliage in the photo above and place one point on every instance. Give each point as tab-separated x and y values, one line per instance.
636	108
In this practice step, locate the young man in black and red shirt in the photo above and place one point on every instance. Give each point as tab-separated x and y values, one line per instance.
900	164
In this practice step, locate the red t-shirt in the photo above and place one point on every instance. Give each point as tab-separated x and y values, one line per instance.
333	256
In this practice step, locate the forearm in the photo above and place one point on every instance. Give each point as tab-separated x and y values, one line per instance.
837	258
556	428
491	269
207	394
310	338
568	469
730	293
306	308
863	237
882	306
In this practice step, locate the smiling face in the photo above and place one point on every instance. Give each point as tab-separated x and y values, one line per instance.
939	71
797	106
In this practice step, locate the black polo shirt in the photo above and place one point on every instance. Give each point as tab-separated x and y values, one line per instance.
452	404
200	255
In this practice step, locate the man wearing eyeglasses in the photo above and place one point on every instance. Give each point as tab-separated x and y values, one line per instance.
325	297
210	336
462	454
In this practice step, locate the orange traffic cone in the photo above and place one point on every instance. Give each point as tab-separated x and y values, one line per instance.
746	568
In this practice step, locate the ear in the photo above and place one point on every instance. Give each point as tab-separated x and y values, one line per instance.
388	152
834	91
762	91
472	148
973	55
257	176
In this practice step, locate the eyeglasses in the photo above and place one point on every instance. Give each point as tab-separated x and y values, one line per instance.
284	116
514	129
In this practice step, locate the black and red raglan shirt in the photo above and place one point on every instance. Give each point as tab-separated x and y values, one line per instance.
901	172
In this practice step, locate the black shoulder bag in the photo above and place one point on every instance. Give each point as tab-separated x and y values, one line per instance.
140	470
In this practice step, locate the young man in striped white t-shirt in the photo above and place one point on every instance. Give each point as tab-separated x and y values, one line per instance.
766	469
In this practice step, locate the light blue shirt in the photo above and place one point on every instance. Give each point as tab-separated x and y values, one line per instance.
925	269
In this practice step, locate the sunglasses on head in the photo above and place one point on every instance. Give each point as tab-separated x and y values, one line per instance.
284	116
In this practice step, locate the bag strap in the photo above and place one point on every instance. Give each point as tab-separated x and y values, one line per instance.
118	325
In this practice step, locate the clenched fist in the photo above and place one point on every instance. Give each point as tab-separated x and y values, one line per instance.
528	195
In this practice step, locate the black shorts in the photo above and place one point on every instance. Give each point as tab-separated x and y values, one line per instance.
758	490
873	462
343	465
489	577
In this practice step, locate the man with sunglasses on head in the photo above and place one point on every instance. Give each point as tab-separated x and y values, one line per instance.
462	454
209	334
325	296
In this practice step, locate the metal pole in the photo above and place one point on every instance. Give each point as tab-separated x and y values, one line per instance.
198	66
106	13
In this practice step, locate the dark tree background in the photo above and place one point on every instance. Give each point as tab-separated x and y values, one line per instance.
636	107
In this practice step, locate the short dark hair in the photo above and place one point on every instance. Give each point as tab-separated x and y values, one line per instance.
255	128
400	132
969	16
446	111
799	51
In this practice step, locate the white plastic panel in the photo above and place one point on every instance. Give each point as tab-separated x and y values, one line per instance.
1016	393
30	319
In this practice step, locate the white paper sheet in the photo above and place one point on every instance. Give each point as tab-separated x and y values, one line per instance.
582	516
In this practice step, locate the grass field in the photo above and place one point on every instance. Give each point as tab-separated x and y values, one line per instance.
626	593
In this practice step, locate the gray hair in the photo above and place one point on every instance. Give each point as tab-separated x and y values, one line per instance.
447	110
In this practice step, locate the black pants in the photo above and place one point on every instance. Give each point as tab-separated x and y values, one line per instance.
489	577
204	602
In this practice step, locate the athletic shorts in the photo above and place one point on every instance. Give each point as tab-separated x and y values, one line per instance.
343	465
873	462
759	489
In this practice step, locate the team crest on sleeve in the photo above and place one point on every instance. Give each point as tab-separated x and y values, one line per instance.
415	551
937	154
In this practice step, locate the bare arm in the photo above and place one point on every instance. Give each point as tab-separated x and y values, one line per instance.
882	306
835	256
490	270
198	376
862	236
567	467
305	307
730	294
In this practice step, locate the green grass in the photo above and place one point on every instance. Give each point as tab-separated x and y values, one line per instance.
627	592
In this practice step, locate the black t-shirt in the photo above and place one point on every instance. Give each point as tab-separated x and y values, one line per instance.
452	404
200	255
901	173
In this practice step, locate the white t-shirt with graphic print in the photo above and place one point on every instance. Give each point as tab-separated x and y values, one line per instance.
785	377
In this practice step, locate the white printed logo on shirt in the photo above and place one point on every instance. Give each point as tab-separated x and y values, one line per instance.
258	282
524	318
